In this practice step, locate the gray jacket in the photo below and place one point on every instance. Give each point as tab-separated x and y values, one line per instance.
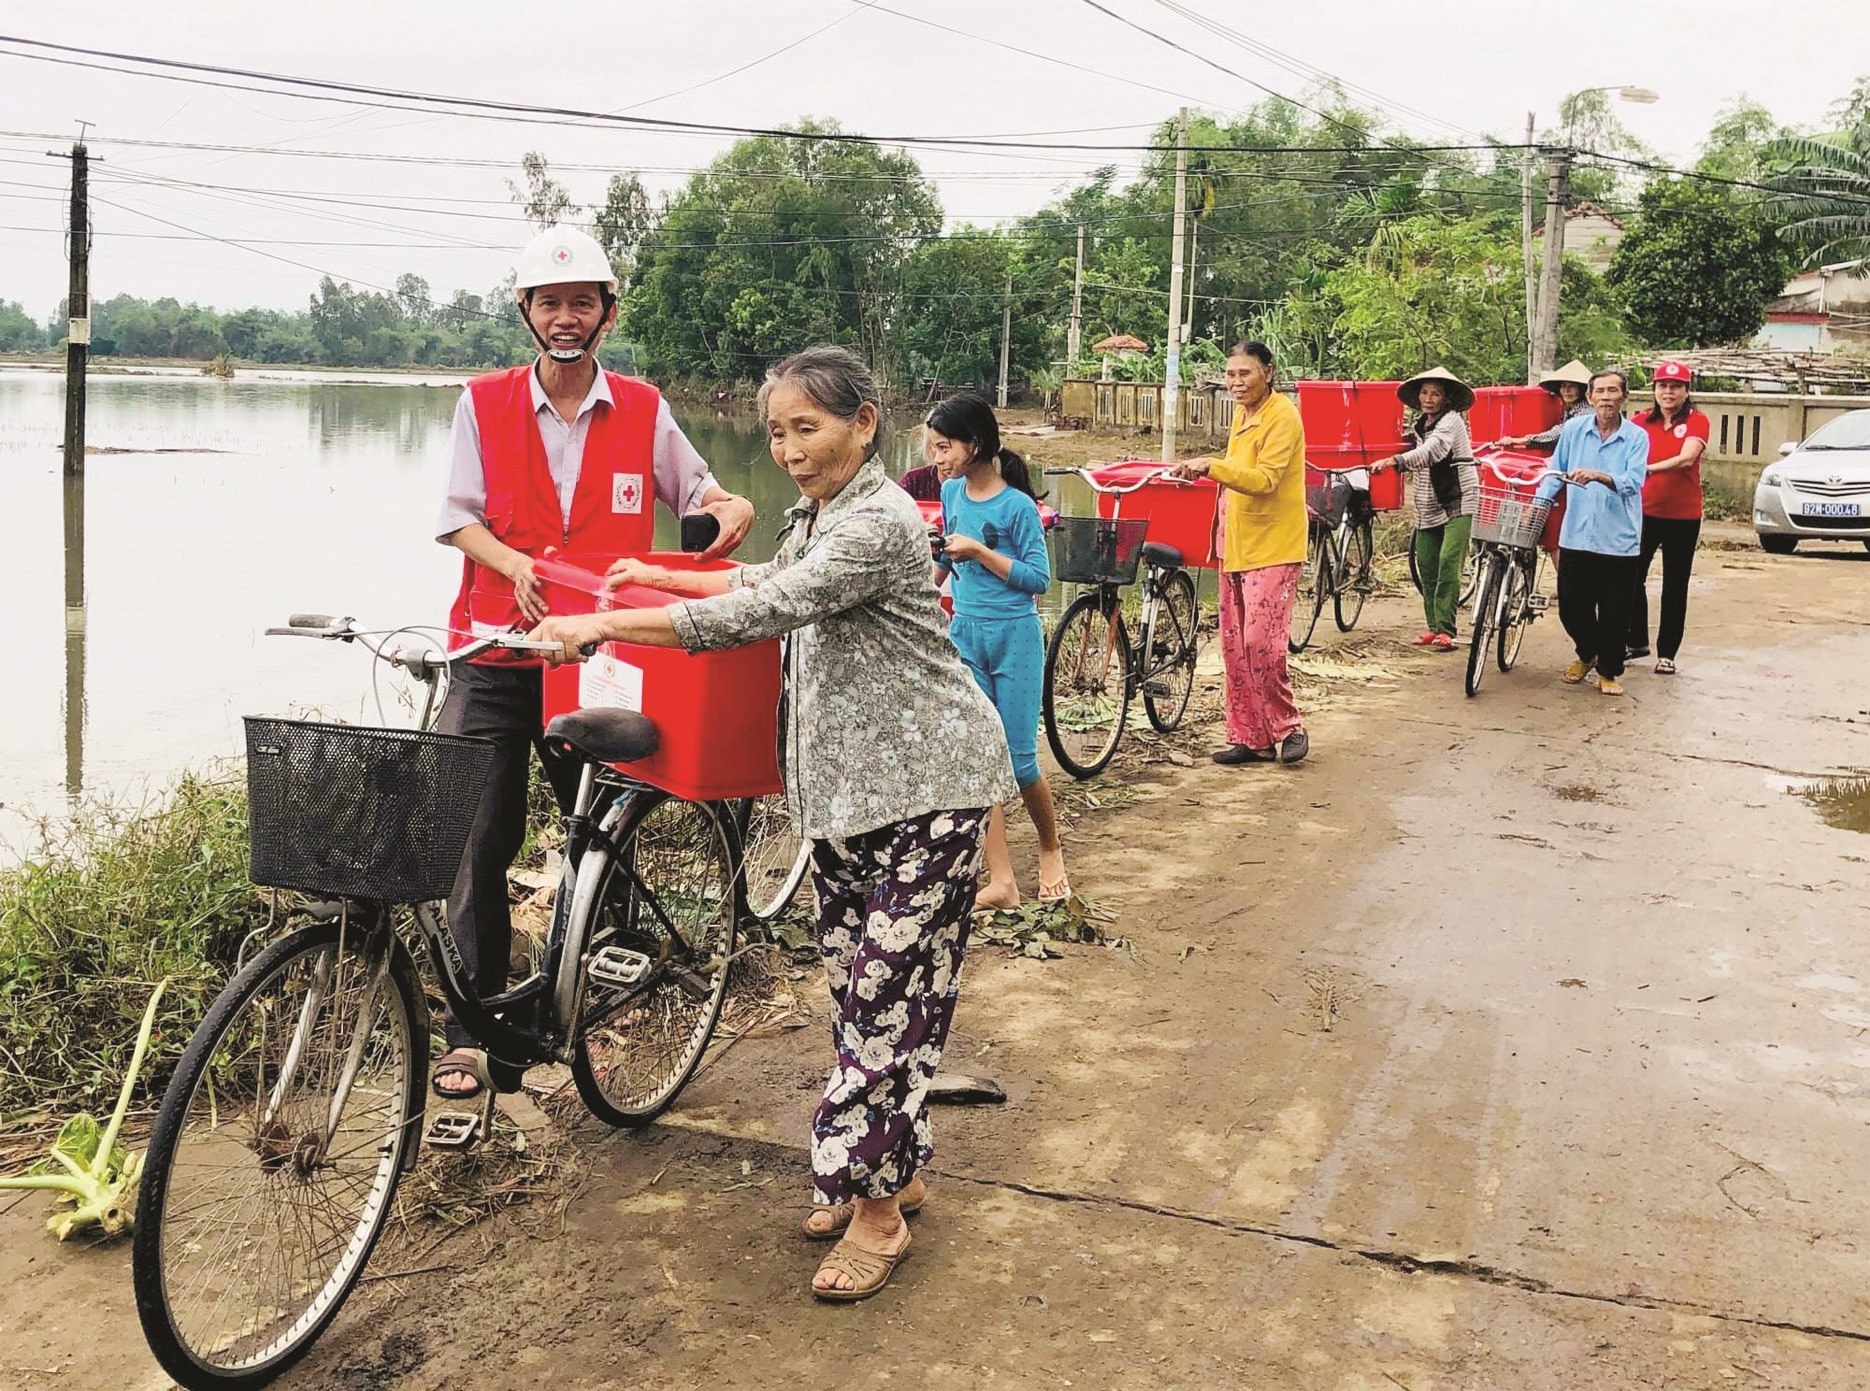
883	723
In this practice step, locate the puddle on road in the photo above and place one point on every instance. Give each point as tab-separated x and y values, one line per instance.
1841	802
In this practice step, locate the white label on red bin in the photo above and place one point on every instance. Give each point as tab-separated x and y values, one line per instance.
626	493
604	682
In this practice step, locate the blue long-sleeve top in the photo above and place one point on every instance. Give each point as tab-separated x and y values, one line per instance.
1007	522
1607	520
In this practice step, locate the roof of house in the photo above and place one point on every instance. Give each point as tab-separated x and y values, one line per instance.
1120	343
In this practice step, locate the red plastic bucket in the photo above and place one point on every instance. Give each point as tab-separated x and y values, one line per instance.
1181	512
716	712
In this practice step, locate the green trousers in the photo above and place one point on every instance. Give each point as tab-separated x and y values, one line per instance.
1440	551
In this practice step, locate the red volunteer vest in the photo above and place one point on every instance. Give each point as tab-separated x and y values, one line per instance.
612	506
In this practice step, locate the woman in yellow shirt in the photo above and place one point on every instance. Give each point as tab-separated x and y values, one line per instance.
1262	479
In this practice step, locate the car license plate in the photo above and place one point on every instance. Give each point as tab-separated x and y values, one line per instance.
1831	509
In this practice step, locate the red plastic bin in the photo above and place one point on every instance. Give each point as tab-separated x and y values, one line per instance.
716	712
1364	416
1510	410
1181	512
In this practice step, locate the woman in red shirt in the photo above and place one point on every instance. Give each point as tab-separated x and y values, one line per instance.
1678	434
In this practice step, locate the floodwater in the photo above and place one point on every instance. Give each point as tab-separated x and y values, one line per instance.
309	494
1841	802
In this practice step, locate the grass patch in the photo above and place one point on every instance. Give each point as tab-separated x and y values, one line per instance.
110	901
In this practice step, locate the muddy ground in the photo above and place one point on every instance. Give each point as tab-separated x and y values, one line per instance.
1518	1042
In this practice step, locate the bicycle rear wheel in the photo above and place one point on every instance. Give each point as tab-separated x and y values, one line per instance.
669	893
1486	622
1315	579
772	857
1353	577
1170	669
1515	613
258	1209
1087	684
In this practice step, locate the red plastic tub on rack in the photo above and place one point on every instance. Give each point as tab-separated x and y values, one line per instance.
1363	416
1511	410
1523	470
716	712
1181	512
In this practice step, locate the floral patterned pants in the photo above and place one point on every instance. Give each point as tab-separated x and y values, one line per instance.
893	917
1256	619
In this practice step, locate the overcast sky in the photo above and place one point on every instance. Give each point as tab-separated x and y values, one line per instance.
1462	68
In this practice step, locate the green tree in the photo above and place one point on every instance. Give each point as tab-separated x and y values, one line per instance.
1697	266
623	222
1740	142
18	332
544	199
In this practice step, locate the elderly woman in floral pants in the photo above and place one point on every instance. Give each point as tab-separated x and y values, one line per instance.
893	759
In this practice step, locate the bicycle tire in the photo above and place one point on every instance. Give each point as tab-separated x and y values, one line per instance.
1470	574
253	1288
625	1034
1176	607
773	857
1089	635
1515	615
1486	619
1314	581
1353	582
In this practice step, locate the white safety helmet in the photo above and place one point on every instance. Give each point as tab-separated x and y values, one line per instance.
563	256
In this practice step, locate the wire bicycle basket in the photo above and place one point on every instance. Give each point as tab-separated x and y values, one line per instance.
1098	550
1509	515
353	811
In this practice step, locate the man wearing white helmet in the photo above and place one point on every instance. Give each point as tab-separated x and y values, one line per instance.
555	455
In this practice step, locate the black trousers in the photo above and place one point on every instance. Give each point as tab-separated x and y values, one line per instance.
1676	538
503	704
1594	593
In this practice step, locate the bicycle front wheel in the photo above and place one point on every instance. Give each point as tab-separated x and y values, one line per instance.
668	901
1515	613
1354	579
772	857
1315	583
1170	679
260	1206
1486	622
1086	695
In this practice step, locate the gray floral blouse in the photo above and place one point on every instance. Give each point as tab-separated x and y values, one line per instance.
883	723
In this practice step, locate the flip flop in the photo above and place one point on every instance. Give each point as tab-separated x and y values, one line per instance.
1058	892
869	1271
1665	667
841	1216
461	1062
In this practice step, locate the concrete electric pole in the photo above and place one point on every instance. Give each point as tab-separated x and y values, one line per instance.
1172	373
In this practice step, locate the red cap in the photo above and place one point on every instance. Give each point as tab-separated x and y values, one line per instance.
1672	372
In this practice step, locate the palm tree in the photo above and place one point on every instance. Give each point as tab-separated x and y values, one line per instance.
1823	193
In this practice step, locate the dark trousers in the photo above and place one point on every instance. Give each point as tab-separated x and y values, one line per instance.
1594	593
1676	538
503	704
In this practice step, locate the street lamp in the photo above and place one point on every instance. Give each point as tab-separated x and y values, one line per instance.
1636	96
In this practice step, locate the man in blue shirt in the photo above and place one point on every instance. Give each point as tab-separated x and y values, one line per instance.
1605	460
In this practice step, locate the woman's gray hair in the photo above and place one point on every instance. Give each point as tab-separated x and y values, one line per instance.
836	379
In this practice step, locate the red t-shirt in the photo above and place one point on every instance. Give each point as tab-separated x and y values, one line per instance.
1677	492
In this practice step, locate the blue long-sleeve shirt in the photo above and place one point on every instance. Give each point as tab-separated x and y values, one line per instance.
1007	522
1609	520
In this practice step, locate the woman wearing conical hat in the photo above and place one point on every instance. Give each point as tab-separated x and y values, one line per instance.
1444	489
1569	383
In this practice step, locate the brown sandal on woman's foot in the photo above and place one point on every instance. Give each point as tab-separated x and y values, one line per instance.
841	1216
869	1271
460	1062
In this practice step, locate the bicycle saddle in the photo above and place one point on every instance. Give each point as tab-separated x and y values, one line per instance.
1163	557
604	735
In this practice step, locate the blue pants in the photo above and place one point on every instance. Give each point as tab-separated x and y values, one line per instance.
1007	657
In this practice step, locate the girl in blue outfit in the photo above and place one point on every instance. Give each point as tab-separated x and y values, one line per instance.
994	546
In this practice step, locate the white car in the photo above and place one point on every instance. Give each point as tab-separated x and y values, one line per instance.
1819	490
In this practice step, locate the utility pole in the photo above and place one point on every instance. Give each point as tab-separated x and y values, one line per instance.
1194	246
77	351
1006	336
1075	334
1525	242
1172	375
1557	185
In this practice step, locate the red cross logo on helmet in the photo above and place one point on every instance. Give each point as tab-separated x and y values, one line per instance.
561	255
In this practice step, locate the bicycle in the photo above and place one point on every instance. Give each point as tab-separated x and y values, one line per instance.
299	1101
1092	669
1340	555
1508	523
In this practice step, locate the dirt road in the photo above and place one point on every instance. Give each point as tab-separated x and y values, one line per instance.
1509	1043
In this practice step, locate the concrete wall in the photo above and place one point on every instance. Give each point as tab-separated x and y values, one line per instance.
1746	430
1203	412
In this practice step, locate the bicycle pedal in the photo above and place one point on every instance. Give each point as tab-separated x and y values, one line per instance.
453	1130
618	967
1538	604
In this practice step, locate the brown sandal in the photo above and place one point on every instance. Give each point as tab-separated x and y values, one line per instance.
841	1216
869	1271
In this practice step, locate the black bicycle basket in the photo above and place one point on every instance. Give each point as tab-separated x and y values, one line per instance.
1097	550
353	811
1330	500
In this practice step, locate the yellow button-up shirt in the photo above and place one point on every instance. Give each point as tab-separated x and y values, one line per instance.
1262	477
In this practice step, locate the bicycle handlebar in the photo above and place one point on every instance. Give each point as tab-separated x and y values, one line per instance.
425	664
1165	472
